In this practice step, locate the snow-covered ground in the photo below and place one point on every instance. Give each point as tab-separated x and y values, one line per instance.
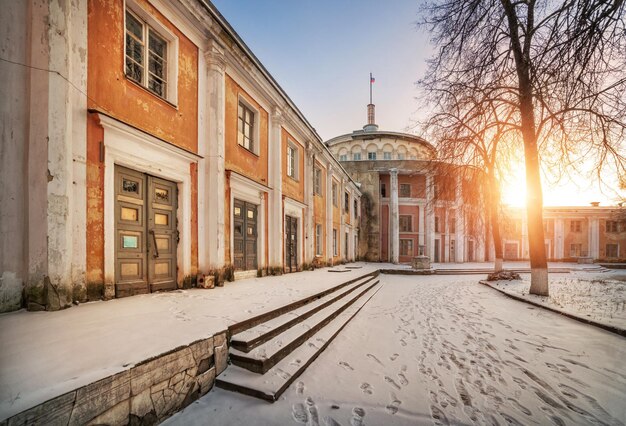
443	349
45	354
598	297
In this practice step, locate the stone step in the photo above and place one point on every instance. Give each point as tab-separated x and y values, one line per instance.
249	339
251	322
275	381
266	355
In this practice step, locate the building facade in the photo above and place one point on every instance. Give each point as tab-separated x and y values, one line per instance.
412	204
146	145
573	234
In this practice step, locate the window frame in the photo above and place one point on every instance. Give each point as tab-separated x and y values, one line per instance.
346	202
149	22
386	155
576	225
319	233
410	222
410	246
614	225
371	156
572	249
254	131
401	192
335	194
293	162
335	244
606	250
317	180
343	157
436	225
356	156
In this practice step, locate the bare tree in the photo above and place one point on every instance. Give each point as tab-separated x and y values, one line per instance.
558	65
472	128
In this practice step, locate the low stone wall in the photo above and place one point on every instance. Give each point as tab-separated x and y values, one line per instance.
147	393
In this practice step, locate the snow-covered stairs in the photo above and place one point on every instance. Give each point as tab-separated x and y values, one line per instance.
268	355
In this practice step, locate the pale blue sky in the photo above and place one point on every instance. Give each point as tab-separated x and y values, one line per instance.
321	52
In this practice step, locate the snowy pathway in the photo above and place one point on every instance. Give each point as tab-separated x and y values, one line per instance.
443	349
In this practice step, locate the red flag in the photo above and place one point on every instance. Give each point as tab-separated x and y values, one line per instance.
372	80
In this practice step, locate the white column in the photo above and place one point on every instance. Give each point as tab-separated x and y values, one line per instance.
213	176
446	231
342	225
275	220
309	228
329	212
421	238
459	223
594	238
430	217
559	239
394	219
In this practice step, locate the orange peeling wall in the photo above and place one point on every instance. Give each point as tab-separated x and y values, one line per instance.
293	188
319	212
238	158
111	92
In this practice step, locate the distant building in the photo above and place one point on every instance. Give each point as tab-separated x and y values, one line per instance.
412	204
584	233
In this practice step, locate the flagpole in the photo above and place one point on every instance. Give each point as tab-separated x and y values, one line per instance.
370	88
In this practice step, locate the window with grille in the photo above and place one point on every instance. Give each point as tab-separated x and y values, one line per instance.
387	155
318	239
343	157
335	248
371	155
406	247
335	196
575	226
245	127
292	161
406	224
612	226
405	190
612	250
575	250
317	181
146	58
346	202
356	156
436	223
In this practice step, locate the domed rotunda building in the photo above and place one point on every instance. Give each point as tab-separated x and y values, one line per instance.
412	204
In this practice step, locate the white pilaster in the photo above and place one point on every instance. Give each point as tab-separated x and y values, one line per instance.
559	238
594	238
275	222
430	217
459	223
309	227
394	218
421	238
212	177
329	212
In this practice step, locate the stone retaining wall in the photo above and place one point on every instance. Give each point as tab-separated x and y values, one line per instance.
147	393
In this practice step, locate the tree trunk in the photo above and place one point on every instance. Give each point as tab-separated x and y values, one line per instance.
534	197
494	218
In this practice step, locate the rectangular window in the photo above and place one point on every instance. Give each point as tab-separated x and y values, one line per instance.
245	126
317	181
406	247
343	157
387	155
318	239
292	161
345	245
575	250
575	226
405	190
335	248
335	197
371	155
356	209
400	156
406	223
612	250
436	224
452	225
346	202
356	156
383	190
146	55
612	226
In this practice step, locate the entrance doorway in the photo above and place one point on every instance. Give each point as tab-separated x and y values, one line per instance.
437	251
452	251
245	235
291	244
145	232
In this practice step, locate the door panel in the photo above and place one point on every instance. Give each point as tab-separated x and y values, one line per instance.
162	198
291	244
146	235
245	232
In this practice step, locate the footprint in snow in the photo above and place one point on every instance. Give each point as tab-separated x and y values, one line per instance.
299	413
374	358
300	387
393	406
394	357
346	366
357	416
367	388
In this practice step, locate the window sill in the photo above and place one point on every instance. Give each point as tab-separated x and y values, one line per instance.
151	93
247	150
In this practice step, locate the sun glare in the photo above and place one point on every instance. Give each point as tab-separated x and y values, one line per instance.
514	187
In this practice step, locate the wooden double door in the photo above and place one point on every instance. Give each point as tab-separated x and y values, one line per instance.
146	235
291	244
245	232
